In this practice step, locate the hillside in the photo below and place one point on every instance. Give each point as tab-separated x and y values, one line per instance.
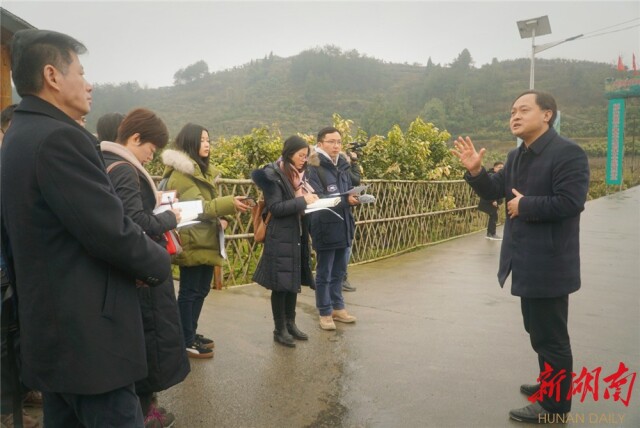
300	93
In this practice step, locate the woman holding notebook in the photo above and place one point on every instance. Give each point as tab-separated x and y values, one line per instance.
285	262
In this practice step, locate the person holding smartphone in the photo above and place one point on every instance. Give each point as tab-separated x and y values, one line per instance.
285	263
189	173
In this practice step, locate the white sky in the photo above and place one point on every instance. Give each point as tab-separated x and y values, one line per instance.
149	41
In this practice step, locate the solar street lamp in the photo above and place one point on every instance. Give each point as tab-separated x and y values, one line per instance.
531	28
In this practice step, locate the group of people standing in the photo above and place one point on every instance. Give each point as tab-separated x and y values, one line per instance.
100	327
289	185
88	250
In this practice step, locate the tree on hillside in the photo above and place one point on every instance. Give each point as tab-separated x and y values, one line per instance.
434	111
190	73
463	61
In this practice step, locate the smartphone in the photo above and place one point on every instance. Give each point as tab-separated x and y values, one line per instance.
249	200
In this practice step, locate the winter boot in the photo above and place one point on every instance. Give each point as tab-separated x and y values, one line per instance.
281	335
293	329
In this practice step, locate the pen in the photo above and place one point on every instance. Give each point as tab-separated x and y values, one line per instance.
171	202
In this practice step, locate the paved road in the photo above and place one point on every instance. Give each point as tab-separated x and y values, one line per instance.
437	342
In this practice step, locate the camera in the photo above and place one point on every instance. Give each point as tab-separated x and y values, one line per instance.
356	147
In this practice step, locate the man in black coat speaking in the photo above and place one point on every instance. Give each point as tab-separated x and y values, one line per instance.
545	183
77	258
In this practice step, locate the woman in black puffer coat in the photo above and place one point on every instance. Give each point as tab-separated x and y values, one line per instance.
285	263
139	135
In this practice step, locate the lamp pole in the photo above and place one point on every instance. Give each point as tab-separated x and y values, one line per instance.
531	28
537	49
533	58
538	26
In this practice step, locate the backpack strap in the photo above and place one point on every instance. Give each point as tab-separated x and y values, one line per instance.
162	185
118	163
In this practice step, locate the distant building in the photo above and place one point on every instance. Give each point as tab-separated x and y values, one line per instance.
9	24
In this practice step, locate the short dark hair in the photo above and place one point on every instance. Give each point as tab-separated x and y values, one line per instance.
144	122
107	127
6	116
325	131
32	50
544	100
290	148
498	163
188	140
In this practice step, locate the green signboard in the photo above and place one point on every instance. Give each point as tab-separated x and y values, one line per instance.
622	88
615	142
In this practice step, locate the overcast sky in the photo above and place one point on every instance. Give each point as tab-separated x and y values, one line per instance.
149	41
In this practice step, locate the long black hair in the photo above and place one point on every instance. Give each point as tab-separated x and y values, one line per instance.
188	140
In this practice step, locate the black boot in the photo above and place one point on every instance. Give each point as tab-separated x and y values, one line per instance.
290	315
281	335
293	329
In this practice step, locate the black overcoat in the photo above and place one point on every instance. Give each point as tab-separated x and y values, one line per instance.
285	263
167	361
77	257
541	247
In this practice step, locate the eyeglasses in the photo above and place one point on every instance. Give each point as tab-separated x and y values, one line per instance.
333	142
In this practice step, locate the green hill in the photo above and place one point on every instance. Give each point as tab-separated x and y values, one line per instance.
300	93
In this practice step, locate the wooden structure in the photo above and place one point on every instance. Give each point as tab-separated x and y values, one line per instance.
9	24
407	215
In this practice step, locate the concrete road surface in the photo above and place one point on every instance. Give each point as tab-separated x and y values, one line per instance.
437	342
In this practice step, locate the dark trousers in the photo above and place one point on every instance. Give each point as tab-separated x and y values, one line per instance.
347	256
283	307
492	222
11	389
546	322
488	208
146	400
331	266
195	284
119	408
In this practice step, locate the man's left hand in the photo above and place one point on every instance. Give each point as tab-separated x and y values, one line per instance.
353	200
512	205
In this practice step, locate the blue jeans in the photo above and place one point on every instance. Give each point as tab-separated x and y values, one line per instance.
331	266
347	258
195	284
119	408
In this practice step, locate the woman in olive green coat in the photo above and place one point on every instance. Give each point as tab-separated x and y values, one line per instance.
189	173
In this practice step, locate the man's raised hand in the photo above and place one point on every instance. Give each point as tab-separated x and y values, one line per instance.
469	157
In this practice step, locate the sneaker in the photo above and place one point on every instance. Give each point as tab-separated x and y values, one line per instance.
157	417
343	316
32	399
152	423
6	421
196	351
494	237
168	420
326	323
205	342
346	286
